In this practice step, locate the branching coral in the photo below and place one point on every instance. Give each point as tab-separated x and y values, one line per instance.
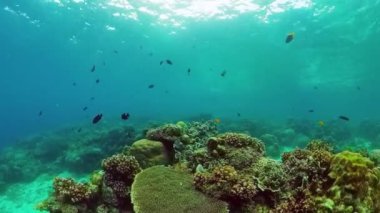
225	183
120	170
68	191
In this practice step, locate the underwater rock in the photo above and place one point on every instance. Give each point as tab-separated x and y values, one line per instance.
162	189
149	153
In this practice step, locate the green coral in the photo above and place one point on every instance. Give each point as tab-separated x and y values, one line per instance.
149	153
162	189
356	184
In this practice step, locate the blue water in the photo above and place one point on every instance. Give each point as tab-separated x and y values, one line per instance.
331	66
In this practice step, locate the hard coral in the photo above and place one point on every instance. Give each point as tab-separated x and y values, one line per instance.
166	133
164	190
149	153
225	183
356	183
68	191
120	171
242	140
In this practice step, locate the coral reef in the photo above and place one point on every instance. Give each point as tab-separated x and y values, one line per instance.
149	153
356	184
219	172
161	189
120	171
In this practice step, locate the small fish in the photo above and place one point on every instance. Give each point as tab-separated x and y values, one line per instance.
358	88
345	118
93	68
315	87
97	81
311	110
125	116
40	113
217	120
74	84
161	62
188	71
104	63
223	73
85	108
321	123
115	51
151	86
92	98
169	62
150	54
97	118
290	37
79	130
238	114
166	91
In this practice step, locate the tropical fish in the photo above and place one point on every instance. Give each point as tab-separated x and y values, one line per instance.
97	118
238	114
97	81
151	86
290	37
161	62
93	68
79	130
345	118
217	120
169	62
223	73
125	116
358	88
115	51
85	108
311	110
321	123
92	98
188	71
40	113
74	84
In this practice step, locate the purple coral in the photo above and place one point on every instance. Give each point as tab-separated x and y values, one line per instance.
120	171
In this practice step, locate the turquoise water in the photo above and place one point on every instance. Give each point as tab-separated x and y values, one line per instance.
48	48
49	45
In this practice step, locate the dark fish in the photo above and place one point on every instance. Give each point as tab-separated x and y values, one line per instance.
74	84
223	73
358	88
345	118
169	62
151	86
85	108
97	81
79	130
125	116
161	62
150	54
311	110
141	47
238	114
93	68
115	51
92	98
290	37
97	118
315	87
40	114
188	71
166	91
104	63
